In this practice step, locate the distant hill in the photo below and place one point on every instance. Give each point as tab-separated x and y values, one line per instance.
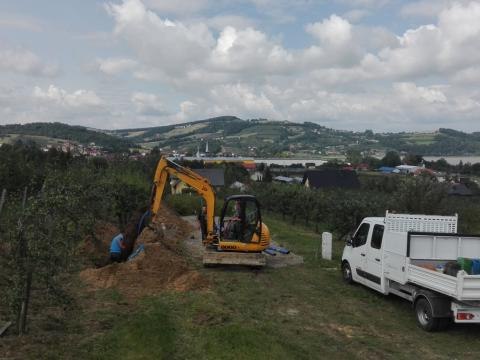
255	137
46	132
261	137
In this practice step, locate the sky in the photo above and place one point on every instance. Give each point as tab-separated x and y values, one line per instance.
384	65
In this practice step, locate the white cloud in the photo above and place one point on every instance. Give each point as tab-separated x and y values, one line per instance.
241	98
411	92
25	62
333	31
148	104
341	44
352	74
342	72
115	66
168	46
433	50
249	51
76	99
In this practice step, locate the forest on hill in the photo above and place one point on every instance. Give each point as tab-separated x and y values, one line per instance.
62	131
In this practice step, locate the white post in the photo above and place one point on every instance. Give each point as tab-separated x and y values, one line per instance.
327	245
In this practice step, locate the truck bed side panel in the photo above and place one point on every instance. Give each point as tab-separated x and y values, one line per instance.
433	280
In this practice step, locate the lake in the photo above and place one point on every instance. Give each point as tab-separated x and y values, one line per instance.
454	160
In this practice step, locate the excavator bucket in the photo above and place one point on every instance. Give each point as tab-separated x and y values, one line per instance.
213	257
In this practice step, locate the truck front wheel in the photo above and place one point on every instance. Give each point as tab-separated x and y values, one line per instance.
425	319
347	273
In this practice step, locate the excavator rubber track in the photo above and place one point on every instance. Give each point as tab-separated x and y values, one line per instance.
213	257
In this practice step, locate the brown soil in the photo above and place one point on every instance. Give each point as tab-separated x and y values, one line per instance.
162	265
96	246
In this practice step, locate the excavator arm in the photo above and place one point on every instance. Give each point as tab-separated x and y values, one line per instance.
167	168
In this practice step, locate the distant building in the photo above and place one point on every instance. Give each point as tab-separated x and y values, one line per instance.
331	178
238	186
283	179
459	189
362	167
216	178
407	169
257	176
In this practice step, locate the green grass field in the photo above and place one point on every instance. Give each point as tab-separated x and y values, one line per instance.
302	312
421	138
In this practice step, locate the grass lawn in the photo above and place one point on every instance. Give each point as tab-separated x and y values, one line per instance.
302	312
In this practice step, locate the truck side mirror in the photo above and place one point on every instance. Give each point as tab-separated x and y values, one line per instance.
349	241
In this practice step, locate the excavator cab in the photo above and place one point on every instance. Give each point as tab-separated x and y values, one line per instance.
240	224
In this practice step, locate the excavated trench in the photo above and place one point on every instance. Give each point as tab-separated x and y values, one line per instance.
161	266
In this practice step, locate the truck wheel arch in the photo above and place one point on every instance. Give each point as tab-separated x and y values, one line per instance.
441	304
347	272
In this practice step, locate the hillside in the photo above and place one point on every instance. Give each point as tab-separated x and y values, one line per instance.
49	133
256	137
260	137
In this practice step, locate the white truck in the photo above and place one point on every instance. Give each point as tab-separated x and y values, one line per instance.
403	254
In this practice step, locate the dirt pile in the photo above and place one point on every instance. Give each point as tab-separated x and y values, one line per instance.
161	266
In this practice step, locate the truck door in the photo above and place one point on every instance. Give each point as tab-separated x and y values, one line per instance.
359	252
374	257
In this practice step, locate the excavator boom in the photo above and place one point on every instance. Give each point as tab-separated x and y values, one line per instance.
166	168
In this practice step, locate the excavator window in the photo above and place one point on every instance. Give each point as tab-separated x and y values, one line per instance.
240	219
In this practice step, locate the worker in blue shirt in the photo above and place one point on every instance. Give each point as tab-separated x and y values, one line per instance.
117	248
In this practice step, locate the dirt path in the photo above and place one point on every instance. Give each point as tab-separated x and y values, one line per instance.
195	249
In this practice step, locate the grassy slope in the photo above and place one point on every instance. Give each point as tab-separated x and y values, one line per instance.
300	312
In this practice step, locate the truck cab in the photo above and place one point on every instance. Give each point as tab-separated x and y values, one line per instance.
362	255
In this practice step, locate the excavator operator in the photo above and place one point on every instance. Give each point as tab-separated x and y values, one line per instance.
234	227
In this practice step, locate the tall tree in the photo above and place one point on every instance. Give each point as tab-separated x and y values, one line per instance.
391	159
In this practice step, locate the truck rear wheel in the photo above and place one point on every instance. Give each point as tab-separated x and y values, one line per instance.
425	319
347	273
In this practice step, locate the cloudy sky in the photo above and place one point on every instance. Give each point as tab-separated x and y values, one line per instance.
385	65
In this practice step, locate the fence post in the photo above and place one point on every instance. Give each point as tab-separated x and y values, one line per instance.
327	245
27	273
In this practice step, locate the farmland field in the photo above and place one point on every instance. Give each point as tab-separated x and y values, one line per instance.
302	312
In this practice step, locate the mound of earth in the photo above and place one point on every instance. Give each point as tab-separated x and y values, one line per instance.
161	266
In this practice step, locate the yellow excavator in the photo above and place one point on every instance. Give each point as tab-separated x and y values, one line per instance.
240	236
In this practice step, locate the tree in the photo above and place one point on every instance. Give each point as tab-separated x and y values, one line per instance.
413	159
235	172
372	162
354	156
391	159
267	175
420	195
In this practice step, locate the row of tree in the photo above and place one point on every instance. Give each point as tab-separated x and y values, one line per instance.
50	202
340	210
